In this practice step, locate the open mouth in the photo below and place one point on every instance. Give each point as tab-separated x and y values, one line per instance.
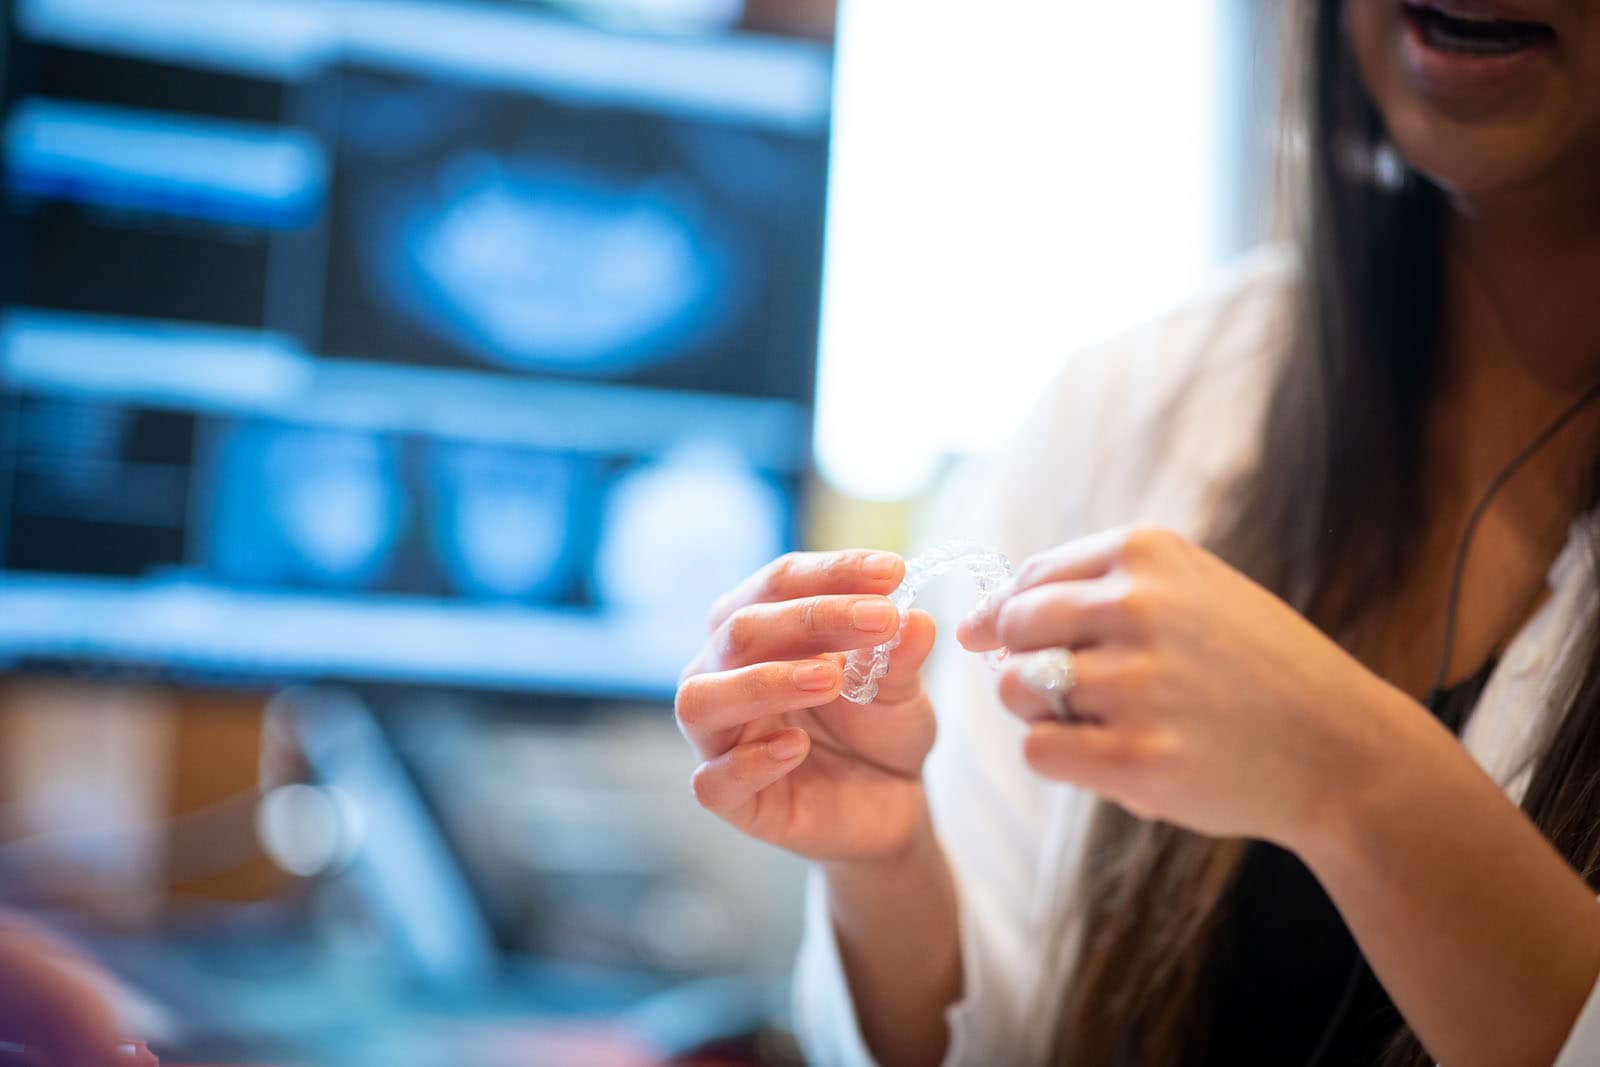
1474	34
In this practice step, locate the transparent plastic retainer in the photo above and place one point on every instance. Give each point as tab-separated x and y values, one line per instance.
864	667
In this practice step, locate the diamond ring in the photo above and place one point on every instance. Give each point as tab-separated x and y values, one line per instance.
1051	674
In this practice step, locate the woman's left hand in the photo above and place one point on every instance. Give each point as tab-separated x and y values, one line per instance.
1199	698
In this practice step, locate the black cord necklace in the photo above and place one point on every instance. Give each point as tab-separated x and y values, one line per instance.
1458	570
1452	605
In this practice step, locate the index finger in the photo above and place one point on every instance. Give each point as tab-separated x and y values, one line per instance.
1082	559
1078	560
802	574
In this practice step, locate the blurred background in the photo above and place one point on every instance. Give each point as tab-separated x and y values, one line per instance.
387	387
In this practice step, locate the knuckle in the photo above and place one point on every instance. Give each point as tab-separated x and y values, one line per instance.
812	616
1145	543
1034	569
1151	749
738	634
818	616
1137	545
841	566
779	573
753	686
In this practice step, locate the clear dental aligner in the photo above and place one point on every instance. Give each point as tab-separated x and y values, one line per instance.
865	666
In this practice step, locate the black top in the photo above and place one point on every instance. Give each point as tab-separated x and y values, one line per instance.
1281	959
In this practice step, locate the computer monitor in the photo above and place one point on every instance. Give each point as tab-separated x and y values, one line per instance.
403	341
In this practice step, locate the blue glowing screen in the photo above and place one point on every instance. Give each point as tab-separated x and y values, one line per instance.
476	350
473	229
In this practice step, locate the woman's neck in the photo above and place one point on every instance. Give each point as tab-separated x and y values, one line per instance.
1523	285
1521	343
1521	339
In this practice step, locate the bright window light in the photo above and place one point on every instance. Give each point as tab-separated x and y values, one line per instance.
1011	180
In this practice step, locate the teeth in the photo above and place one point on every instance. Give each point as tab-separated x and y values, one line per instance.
1474	33
1464	16
1442	37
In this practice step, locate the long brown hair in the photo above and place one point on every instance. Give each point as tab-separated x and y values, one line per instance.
1328	518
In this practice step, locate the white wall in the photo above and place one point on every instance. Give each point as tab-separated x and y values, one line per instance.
1011	179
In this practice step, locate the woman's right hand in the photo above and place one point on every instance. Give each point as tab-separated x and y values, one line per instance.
786	758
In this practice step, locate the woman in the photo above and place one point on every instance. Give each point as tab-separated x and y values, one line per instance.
1380	462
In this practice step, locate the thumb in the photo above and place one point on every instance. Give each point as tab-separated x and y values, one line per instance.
905	662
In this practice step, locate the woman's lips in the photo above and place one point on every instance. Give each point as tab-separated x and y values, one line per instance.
1505	10
1472	51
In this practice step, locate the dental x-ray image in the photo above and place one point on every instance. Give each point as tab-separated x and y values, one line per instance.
306	507
499	230
295	505
506	525
541	267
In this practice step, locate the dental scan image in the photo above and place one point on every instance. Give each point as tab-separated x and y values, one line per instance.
476	229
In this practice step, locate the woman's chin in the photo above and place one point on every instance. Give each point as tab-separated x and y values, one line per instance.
1476	161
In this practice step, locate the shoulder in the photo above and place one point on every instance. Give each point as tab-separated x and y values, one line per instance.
1139	427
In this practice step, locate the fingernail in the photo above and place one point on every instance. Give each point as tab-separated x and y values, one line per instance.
880	566
815	677
786	747
872	616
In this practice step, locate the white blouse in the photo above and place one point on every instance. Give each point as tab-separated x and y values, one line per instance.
1144	429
